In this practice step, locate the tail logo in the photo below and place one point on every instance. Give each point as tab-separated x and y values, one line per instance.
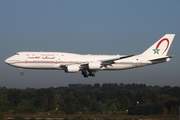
156	50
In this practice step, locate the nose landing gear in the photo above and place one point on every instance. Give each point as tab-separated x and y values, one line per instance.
21	72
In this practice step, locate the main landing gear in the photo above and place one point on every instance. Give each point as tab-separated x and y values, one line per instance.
21	72
89	73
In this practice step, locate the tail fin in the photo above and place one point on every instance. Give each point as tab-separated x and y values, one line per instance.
161	47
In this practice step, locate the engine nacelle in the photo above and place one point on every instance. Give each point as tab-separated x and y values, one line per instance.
72	68
94	65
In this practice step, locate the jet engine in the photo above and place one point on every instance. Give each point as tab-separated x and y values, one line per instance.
94	65
72	68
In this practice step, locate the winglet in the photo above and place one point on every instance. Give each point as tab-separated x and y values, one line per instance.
161	47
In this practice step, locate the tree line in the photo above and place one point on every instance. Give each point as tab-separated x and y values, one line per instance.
108	98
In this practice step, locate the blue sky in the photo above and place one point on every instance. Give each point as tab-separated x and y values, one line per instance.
94	27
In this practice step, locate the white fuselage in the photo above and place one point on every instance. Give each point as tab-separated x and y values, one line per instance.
53	60
89	64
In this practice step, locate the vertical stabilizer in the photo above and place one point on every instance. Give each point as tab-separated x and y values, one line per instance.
161	47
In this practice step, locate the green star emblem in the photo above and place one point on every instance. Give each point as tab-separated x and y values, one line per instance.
156	51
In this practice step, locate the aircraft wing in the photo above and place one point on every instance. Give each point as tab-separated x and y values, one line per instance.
111	61
103	63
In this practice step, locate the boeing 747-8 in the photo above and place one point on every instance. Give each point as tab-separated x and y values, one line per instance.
89	64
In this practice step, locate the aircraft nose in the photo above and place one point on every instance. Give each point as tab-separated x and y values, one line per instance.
7	61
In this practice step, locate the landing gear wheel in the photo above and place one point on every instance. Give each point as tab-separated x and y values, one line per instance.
84	73
85	76
21	73
92	74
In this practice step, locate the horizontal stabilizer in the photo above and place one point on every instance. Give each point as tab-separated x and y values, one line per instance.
161	58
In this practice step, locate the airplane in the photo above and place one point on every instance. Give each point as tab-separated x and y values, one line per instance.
89	64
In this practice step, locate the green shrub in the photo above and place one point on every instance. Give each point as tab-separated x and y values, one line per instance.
32	119
2	116
127	119
78	118
66	118
18	118
90	119
43	119
106	119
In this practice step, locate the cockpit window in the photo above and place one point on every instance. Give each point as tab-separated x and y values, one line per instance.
17	53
